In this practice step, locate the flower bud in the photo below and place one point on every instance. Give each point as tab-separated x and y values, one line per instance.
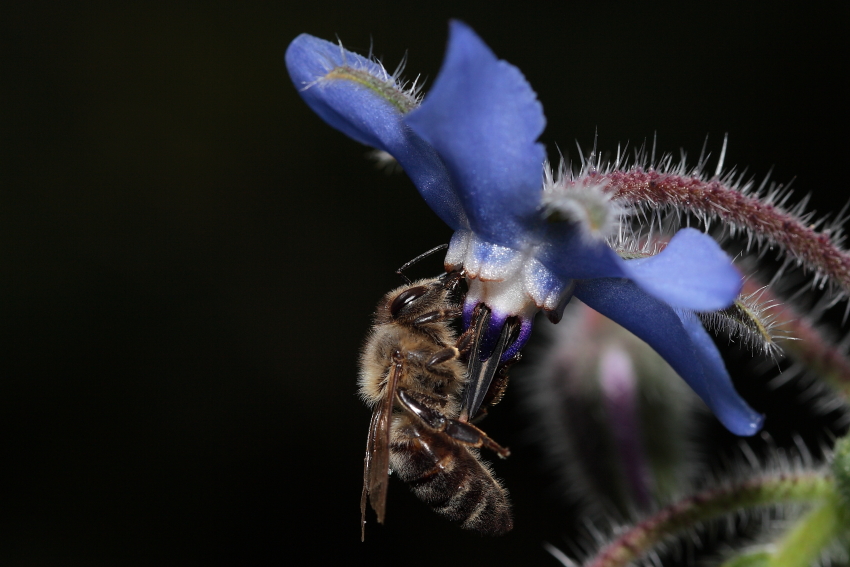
614	417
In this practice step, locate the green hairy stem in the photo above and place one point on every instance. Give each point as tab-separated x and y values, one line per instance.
805	542
711	504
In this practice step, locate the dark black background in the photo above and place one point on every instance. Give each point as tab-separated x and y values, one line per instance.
189	257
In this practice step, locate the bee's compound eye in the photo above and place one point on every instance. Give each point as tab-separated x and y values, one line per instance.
406	297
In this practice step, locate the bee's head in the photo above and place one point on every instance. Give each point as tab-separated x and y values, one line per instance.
408	302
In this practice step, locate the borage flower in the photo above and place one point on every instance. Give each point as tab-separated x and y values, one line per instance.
526	242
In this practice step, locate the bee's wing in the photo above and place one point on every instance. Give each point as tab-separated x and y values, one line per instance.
367	468
376	463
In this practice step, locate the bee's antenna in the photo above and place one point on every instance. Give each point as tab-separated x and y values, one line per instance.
422	256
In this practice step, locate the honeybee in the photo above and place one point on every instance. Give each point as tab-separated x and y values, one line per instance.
412	375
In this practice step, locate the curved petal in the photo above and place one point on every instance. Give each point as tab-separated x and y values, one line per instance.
692	272
356	96
484	120
733	409
680	340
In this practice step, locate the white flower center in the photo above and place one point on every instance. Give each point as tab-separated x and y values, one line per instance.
510	282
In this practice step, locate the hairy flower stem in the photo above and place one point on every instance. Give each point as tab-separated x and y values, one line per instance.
808	346
758	558
711	504
815	352
805	542
764	221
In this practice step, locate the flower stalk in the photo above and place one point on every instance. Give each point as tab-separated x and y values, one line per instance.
816	352
807	540
790	230
714	503
827	523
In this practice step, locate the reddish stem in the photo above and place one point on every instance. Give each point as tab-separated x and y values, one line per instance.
815	250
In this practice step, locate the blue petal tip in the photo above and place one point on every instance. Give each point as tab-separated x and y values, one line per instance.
484	119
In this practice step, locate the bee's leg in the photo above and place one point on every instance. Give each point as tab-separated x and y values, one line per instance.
444	355
463	433
451	280
451	312
467	339
497	389
499	384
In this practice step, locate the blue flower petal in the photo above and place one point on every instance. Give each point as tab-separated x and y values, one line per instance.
484	120
692	273
569	254
680	340
733	411
356	96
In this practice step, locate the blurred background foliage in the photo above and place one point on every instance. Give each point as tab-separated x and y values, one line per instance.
190	257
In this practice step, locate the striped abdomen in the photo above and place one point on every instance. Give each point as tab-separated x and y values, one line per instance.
451	479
